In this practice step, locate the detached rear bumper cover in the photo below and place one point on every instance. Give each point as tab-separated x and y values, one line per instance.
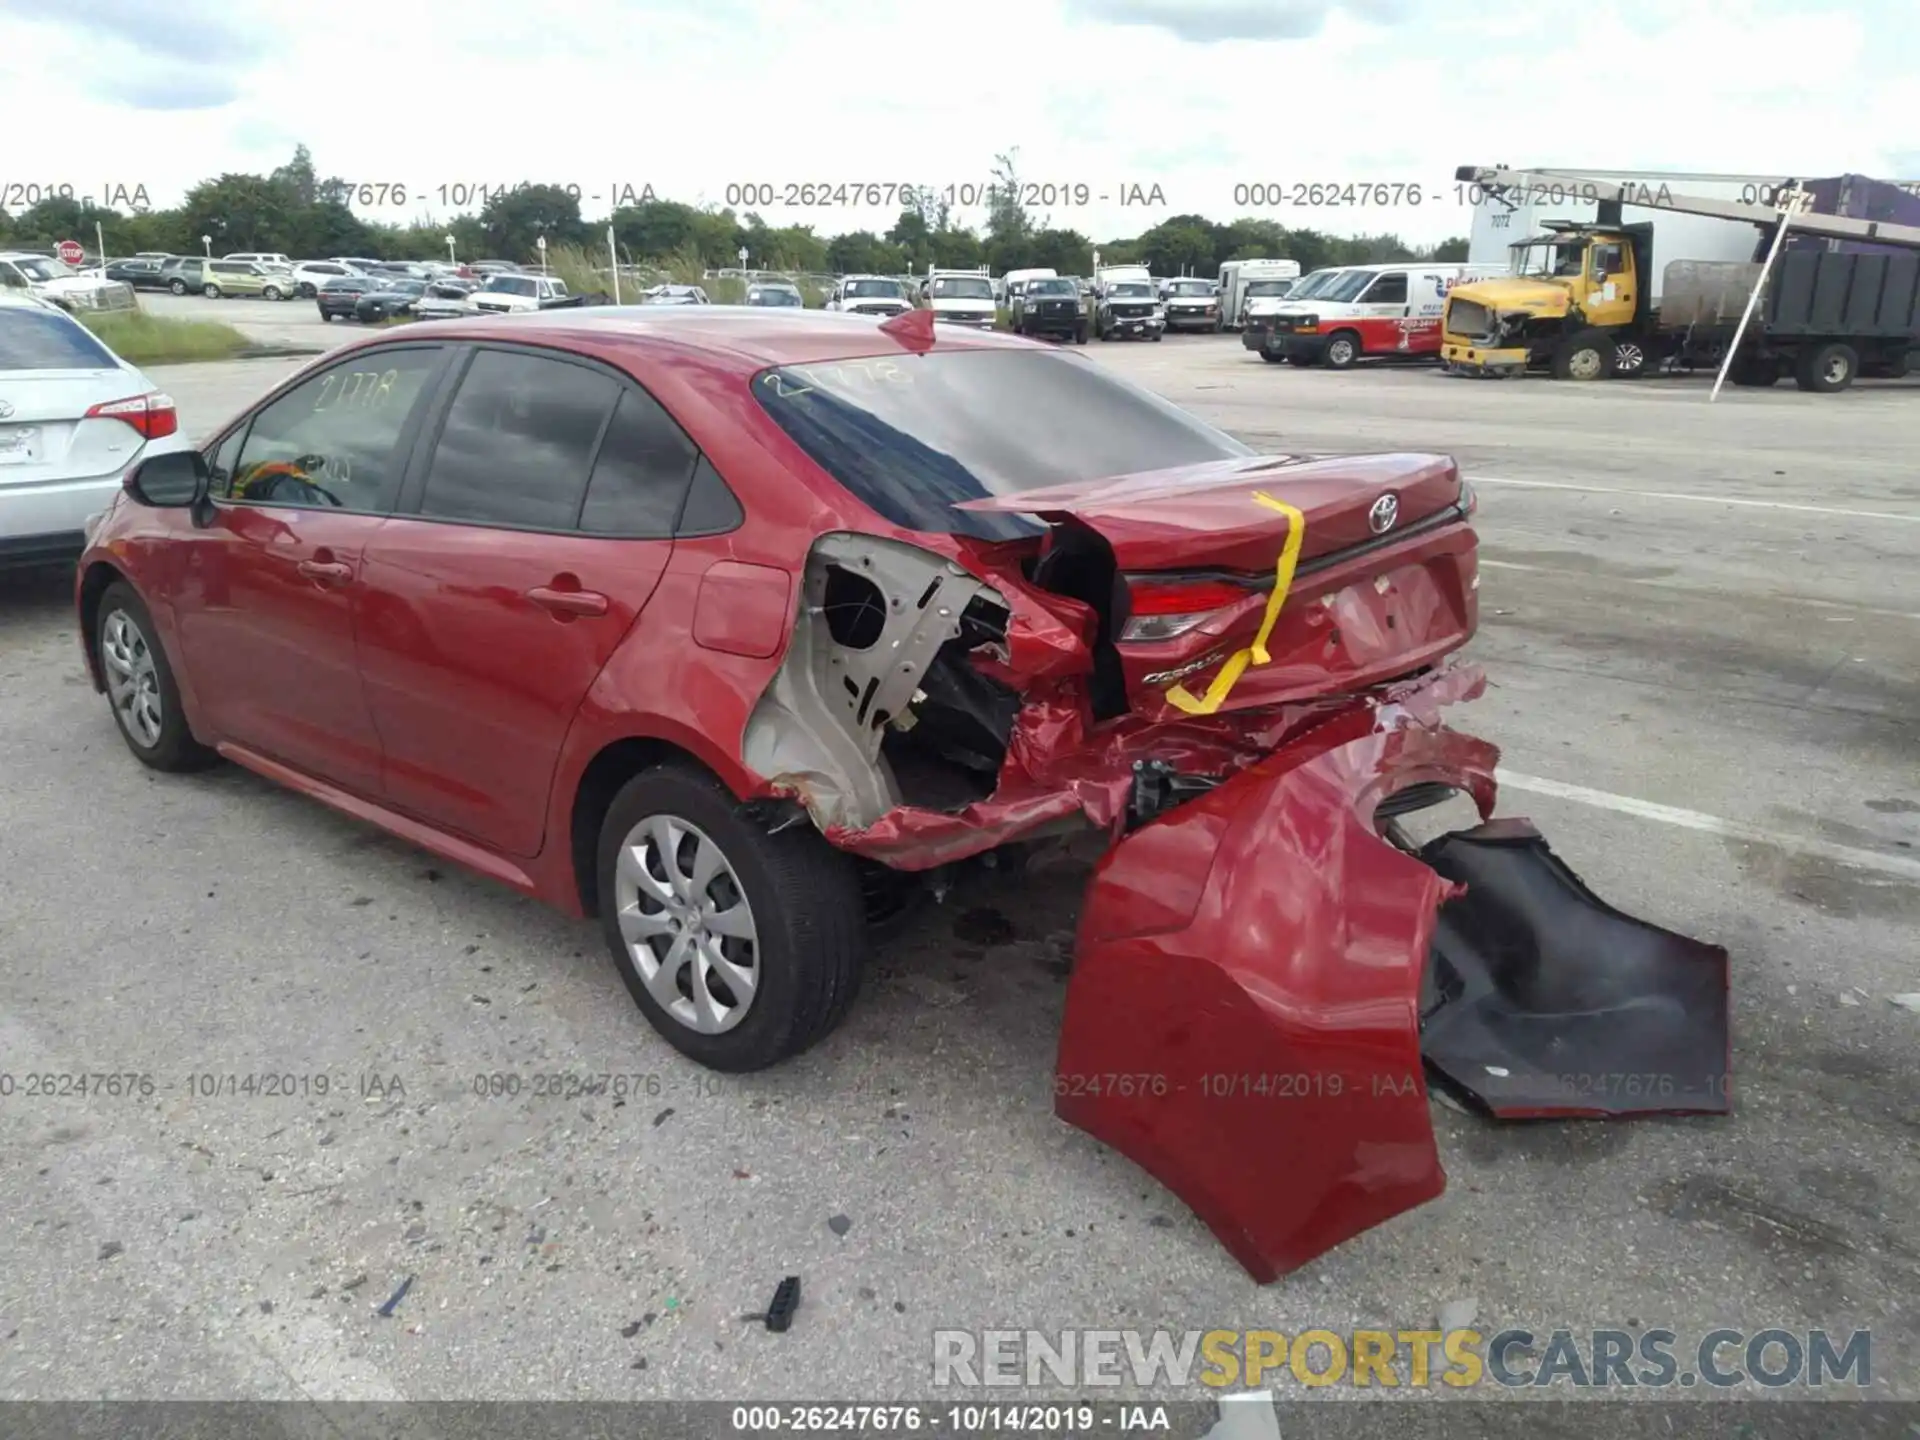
1244	1019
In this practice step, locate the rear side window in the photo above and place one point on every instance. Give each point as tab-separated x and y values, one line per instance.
640	473
329	442
36	339
518	442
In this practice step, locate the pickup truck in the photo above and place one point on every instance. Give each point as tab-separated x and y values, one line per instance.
511	294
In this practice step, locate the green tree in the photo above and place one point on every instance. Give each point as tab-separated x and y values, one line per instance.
58	218
240	212
1010	229
1453	251
1066	251
1184	245
514	219
655	229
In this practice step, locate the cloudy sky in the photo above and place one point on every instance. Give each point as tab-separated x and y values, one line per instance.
1194	97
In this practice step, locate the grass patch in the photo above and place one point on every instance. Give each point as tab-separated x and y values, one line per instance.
143	339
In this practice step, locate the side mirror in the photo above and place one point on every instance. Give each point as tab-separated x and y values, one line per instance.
178	480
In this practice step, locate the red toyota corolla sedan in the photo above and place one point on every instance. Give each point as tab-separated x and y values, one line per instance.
698	620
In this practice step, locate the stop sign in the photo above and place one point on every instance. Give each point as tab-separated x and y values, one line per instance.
70	252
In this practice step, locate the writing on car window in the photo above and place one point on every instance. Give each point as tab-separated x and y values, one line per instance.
361	389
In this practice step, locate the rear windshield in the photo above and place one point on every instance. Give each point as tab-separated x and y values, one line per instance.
912	435
35	339
1268	288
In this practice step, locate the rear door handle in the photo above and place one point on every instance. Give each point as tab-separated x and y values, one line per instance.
326	572
568	602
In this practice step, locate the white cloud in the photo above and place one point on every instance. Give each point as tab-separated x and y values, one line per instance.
693	97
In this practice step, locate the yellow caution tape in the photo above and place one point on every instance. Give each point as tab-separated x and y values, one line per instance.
1255	654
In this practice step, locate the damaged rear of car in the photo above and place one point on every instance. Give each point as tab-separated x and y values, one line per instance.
1079	609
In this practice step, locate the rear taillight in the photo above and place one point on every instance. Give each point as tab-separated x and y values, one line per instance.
1162	608
152	415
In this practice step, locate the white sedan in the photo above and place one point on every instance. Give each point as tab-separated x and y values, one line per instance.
73	418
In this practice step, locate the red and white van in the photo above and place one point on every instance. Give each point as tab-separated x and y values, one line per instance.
1371	310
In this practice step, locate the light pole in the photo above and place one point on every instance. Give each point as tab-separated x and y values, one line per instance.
742	252
541	242
206	244
450	258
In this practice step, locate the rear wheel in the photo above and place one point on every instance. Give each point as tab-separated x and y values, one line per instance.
307	292
178	287
1299	362
1630	360
211	291
1080	333
140	685
1586	356
741	946
1342	350
1756	372
272	292
1825	369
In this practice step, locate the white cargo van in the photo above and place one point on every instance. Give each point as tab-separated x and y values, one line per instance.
1370	310
1011	284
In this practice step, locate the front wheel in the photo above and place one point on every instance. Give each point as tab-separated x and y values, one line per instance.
1586	356
178	287
1343	350
1300	362
742	946
1080	334
140	685
211	291
272	292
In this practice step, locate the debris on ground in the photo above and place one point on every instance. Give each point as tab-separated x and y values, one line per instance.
387	1307
111	1249
839	1224
786	1299
1906	1002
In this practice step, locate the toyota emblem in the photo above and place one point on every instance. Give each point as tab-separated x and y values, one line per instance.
1385	511
5	409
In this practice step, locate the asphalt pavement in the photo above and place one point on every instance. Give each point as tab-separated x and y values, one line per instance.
1702	625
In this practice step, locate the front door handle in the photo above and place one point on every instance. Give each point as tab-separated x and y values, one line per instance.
568	603
326	572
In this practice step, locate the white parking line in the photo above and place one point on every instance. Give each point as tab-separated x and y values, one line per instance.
1896	865
1911	519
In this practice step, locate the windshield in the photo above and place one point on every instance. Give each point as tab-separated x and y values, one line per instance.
963	288
1051	287
1269	288
37	267
1348	285
1314	284
33	339
911	436
1550	259
874	289
773	297
1190	287
1131	290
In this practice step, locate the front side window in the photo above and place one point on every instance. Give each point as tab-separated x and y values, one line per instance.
519	442
1388	290
331	441
910	436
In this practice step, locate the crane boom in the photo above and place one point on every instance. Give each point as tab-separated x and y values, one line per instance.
1495	180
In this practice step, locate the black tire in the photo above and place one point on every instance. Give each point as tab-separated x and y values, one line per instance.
326	317
307	292
173	748
808	911
1271	358
1755	372
1157	336
1899	367
1632	359
1585	356
272	292
1826	369
1299	362
178	287
1079	334
1343	350
210	290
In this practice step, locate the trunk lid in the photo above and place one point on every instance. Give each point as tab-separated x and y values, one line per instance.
1206	517
45	410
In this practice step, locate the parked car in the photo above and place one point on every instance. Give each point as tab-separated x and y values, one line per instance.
504	294
1129	308
338	296
484	268
73	417
1190	305
310	275
142	273
271	258
185	274
444	300
706	624
777	294
1051	308
674	295
45	278
391	298
870	295
246	278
